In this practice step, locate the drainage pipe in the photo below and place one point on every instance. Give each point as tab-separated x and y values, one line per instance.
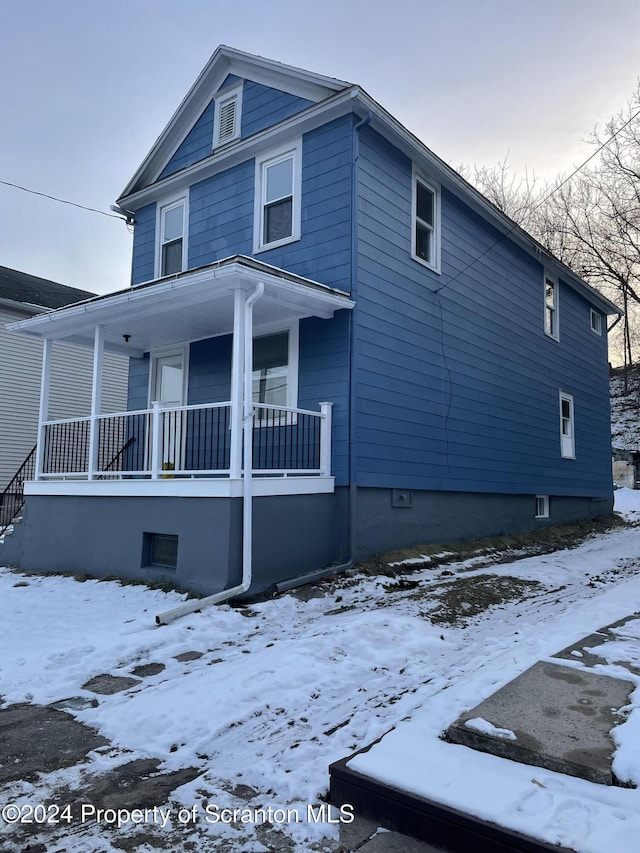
247	480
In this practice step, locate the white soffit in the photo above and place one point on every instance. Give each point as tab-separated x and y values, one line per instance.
187	307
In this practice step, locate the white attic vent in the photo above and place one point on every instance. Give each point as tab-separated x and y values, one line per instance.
226	122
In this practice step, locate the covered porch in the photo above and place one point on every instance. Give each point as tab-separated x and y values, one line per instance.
170	446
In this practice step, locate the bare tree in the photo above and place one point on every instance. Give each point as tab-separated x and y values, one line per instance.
590	222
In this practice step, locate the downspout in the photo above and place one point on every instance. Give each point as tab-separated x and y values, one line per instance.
247	481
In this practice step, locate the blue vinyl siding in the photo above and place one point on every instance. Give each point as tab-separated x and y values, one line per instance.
458	389
221	212
144	245
197	144
262	107
138	394
210	371
323	252
221	215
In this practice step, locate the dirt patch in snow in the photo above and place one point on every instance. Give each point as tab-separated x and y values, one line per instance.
455	602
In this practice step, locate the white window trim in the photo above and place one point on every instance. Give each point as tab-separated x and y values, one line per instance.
596	327
295	150
567	443
162	352
416	176
555	334
294	356
544	507
173	201
233	93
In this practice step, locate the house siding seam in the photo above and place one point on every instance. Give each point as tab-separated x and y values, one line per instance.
430	364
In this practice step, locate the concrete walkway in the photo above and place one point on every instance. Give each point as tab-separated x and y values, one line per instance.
560	712
558	715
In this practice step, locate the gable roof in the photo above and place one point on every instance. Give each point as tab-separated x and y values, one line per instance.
227	60
332	98
32	292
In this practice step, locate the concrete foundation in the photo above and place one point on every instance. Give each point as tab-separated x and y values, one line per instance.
108	537
293	535
388	519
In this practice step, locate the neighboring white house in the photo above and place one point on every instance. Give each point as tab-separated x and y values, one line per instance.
21	296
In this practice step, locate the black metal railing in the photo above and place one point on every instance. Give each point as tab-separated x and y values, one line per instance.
285	439
207	444
123	443
66	447
12	498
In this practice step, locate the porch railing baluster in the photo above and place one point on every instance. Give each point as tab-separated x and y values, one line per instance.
187	441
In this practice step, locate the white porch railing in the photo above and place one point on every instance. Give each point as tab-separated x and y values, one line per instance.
184	441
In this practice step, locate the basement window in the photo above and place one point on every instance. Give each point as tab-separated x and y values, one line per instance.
160	550
542	506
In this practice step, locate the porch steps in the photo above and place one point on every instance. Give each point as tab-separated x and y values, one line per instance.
434	823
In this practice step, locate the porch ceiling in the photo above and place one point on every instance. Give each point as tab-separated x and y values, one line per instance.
185	307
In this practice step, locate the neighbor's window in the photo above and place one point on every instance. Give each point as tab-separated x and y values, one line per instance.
567	427
277	214
551	306
172	242
426	214
542	506
227	116
596	322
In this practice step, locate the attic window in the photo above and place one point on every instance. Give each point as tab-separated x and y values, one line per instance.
596	322
226	120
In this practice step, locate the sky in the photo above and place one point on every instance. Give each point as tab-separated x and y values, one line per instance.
86	88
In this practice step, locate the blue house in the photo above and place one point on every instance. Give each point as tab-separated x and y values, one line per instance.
337	347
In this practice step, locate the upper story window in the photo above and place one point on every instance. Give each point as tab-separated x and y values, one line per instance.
567	427
425	240
551	306
277	194
596	322
172	244
227	115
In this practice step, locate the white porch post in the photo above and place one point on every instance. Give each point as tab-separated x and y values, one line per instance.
237	380
96	402
43	414
325	439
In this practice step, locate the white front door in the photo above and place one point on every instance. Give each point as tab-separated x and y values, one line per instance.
168	388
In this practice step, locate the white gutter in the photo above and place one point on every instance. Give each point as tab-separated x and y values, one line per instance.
247	497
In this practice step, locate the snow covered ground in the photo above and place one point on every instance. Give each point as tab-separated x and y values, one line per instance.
285	687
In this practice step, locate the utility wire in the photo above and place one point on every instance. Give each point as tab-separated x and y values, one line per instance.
61	200
542	201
